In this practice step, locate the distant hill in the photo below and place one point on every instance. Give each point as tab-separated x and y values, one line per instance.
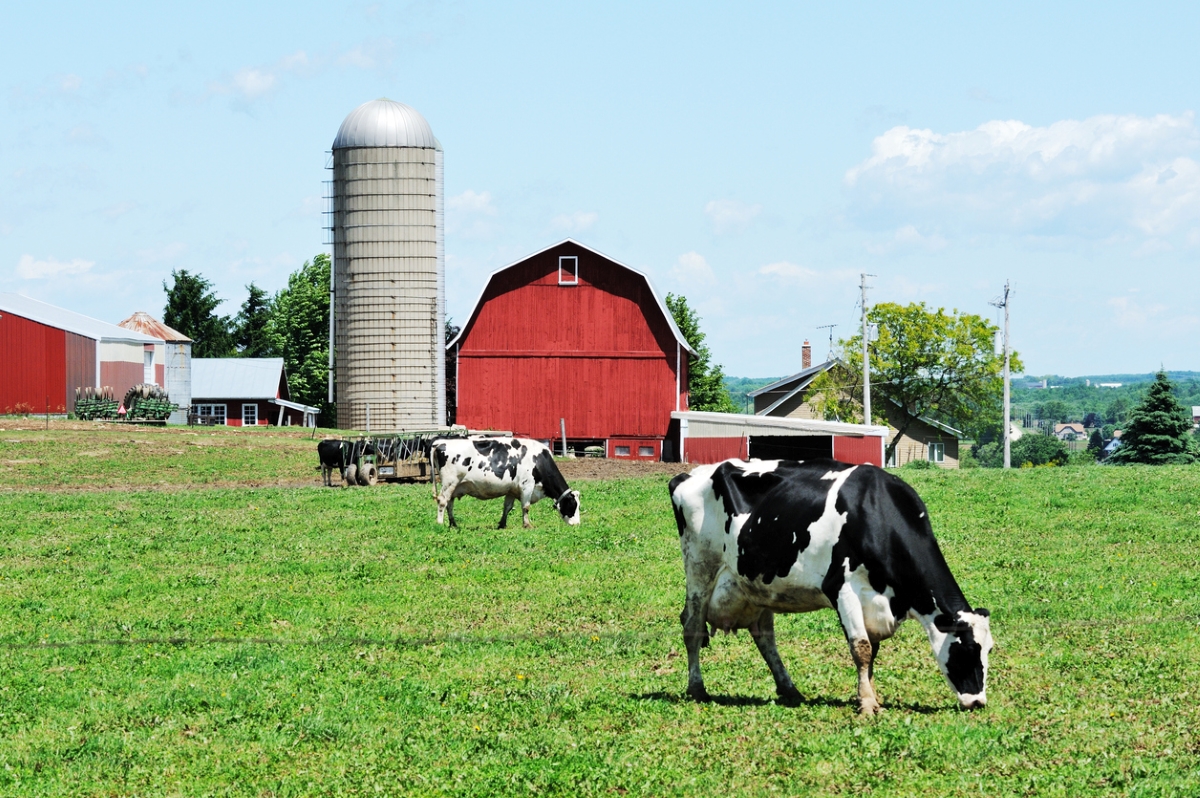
738	387
1126	379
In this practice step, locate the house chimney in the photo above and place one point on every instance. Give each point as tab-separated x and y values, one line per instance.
805	356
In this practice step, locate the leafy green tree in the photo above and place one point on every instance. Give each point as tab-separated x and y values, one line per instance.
252	333
1095	443
1159	429
706	380
924	363
299	332
1039	450
1117	411
192	310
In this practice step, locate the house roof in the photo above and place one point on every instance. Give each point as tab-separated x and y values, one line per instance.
236	377
802	379
1070	426
798	382
69	320
148	325
649	284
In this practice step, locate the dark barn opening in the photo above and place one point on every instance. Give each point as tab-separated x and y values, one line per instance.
790	447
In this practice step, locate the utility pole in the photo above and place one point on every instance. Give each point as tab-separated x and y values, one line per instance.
866	338
1003	302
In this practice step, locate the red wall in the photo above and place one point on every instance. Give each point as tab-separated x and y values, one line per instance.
121	376
714	450
33	366
599	354
860	450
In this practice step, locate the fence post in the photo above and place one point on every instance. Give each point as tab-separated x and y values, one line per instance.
563	425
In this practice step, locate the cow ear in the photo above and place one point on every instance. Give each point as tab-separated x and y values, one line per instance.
982	611
951	625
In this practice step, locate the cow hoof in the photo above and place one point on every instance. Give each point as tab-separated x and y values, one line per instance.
869	709
699	694
790	697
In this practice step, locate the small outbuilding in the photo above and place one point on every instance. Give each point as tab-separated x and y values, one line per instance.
48	352
245	392
923	439
570	338
169	363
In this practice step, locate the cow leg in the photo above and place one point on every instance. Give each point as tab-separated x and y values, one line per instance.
325	475
862	648
450	513
525	516
509	501
695	637
763	632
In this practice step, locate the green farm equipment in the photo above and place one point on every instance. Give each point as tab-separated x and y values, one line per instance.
143	404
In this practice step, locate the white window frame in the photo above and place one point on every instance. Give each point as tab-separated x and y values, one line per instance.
209	410
563	259
646	451
250	406
937	452
618	453
148	366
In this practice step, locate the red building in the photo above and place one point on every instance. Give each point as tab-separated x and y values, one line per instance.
570	336
46	353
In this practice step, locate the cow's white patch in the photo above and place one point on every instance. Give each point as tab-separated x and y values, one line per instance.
758	466
875	608
922	515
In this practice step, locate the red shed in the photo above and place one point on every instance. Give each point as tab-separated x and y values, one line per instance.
568	335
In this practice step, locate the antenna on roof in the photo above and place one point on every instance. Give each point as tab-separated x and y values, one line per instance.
830	328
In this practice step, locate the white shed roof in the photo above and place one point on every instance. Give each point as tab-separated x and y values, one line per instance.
236	377
69	320
737	425
385	123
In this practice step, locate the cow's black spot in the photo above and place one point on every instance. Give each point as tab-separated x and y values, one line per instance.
672	486
502	462
964	664
546	474
467	462
781	508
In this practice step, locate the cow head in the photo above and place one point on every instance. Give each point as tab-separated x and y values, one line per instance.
962	653
568	507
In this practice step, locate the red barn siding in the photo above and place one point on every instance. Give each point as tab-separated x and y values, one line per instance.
121	376
714	450
859	450
81	366
33	366
599	354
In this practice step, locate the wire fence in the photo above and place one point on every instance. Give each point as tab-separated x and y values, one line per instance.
471	640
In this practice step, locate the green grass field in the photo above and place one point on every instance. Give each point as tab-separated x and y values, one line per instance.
279	641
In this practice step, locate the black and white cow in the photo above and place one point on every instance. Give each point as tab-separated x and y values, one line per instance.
769	536
333	454
488	468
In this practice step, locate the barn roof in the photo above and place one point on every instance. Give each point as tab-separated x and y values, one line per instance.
148	325
69	320
649	284
236	377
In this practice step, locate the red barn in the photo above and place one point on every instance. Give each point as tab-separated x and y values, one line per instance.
568	335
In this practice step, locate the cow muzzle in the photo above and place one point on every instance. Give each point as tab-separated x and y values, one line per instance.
978	701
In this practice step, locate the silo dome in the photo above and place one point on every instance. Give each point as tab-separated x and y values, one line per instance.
385	123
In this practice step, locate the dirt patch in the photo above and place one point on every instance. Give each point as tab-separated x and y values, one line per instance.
587	468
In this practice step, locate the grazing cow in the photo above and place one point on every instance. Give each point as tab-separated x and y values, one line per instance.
488	468
333	454
769	536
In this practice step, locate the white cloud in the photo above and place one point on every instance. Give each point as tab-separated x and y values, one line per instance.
471	201
70	83
788	271
691	267
470	215
1078	177
907	238
574	222
731	216
252	83
31	269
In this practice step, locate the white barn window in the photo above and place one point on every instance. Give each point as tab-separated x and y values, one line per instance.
215	412
568	270
249	415
937	452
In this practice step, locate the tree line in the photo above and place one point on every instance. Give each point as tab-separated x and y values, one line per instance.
292	324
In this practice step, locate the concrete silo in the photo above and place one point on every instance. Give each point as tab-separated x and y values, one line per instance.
388	270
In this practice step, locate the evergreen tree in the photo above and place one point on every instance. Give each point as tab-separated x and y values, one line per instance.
1095	443
252	334
706	380
299	332
192	310
1158	431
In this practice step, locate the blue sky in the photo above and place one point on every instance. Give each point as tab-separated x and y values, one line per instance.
754	158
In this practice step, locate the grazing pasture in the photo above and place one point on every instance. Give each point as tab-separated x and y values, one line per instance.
298	640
